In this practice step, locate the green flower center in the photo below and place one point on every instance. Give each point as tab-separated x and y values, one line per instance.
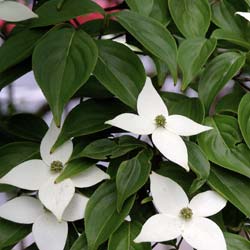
160	121
56	167
186	213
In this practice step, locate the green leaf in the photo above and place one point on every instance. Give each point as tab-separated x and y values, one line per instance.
13	73
231	37
11	233
153	36
104	149
183	105
199	164
62	63
124	237
15	153
89	117
244	118
233	187
74	168
144	8
191	17
160	12
80	243
132	175
223	144
248	2
20	125
192	55
120	71
101	216
217	74
18	47
49	14
236	242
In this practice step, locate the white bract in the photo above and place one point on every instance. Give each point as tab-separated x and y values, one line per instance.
166	130
41	174
246	15
14	12
179	217
46	230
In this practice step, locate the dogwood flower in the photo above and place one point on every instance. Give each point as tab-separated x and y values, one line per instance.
46	230
166	130
179	217
246	15
41	174
14	12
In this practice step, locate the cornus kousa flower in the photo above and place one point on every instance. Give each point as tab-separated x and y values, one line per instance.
246	15
46	230
179	217
42	174
14	12
166	130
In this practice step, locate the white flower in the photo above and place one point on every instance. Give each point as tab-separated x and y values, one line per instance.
14	12
246	15
41	175
179	217
166	130
47	230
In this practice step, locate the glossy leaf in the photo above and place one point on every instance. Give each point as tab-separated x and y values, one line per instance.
153	36
15	153
216	75
132	175
104	149
101	216
223	145
11	233
191	17
50	14
89	117
120	71
192	55
124	237
244	118
183	105
137	6
74	168
18	47
80	243
236	242
199	164
233	187
62	63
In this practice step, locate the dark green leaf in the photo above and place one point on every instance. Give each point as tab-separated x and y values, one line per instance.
132	175
233	187
199	164
74	168
160	12
15	153
137	6
106	148
124	237
80	244
89	117
244	118
49	14
153	36
192	55
120	71
191	17
11	233
223	144
101	216
217	74
236	242
183	105
18	47
62	63
20	125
